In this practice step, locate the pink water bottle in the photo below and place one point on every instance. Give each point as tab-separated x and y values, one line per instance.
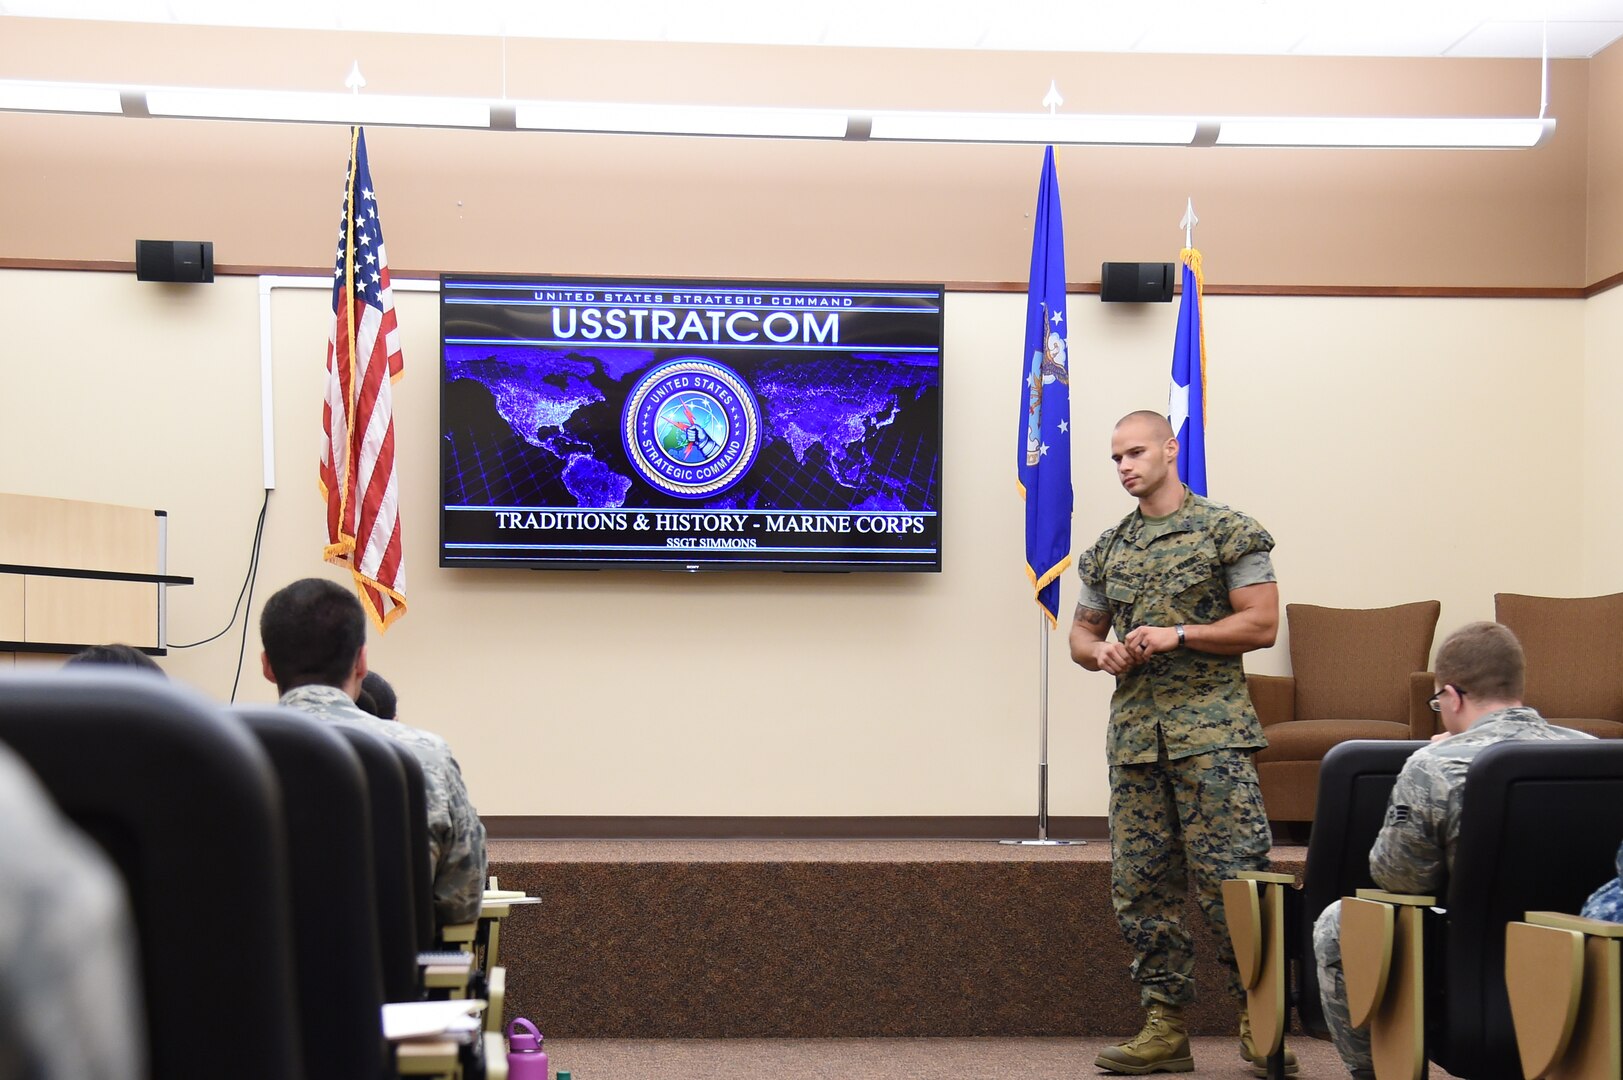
525	1058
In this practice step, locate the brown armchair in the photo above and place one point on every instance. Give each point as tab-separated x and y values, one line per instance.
1574	648
1350	679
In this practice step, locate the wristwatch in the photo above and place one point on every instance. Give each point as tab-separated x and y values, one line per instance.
1182	640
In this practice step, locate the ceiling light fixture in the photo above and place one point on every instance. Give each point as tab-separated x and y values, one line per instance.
1041	128
1061	129
616	119
17	96
300	107
1375	133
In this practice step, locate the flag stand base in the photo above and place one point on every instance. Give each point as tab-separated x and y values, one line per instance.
1042	843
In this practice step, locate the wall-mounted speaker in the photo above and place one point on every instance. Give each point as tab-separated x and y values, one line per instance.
174	260
1135	283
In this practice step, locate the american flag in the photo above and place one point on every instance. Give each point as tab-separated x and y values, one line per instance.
357	419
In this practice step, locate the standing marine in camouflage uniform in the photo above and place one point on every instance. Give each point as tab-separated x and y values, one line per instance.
1479	698
314	634
1188	586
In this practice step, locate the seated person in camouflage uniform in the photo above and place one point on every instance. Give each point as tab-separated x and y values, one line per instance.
378	697
1607	901
1187	585
314	636
1478	675
114	655
70	1001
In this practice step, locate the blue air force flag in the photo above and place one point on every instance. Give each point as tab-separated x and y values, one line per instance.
1186	404
1044	456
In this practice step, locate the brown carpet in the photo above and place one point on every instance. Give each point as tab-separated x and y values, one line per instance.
892	1059
872	940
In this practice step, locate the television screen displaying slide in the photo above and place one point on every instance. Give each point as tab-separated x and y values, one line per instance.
689	425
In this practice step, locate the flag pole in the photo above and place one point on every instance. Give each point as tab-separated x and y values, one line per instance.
1044	479
1042	731
1042	839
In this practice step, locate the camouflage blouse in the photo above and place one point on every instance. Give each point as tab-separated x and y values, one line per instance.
456	836
1162	572
1415	848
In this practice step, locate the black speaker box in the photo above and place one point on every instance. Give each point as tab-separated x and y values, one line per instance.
1135	283
174	260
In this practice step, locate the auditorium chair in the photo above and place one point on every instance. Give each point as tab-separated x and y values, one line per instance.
1350	670
392	861
1539	827
335	852
1574	648
1355	785
1278	968
187	806
1565	978
328	820
422	868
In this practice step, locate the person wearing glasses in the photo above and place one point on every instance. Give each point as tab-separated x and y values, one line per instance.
1479	675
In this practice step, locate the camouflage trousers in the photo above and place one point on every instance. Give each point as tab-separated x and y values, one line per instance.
1199	816
1351	1043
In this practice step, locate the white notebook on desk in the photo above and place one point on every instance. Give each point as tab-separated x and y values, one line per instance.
430	1019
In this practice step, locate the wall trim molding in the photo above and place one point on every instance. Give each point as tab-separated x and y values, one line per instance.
1604	284
1075	288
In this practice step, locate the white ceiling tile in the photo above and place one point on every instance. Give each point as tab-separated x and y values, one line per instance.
1039	25
1313	27
1206	33
1524	39
1427	36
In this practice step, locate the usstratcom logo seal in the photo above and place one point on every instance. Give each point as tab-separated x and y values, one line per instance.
691	427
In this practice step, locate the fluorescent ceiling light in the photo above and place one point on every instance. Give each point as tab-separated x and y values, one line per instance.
785	123
1462	133
1034	128
613	118
316	108
58	97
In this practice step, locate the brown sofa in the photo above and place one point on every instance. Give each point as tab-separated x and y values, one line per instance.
1350	679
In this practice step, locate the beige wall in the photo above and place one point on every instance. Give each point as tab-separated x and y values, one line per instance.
86	188
1602	444
1371	435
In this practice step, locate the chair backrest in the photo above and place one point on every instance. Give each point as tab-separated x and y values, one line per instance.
1538	831
422	867
1355	785
328	818
1574	648
186	804
1354	663
391	861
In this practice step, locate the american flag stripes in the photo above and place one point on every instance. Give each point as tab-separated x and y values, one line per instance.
363	358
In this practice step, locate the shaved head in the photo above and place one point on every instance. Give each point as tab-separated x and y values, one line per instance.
1158	427
1146	457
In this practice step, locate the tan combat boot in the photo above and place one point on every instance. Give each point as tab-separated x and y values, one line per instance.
1259	1063
1163	1045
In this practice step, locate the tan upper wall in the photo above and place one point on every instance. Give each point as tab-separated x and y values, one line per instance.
84	188
1605	226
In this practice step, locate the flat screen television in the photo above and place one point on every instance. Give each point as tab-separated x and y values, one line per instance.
648	423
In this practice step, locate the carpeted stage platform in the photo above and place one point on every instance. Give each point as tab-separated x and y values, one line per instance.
1216	1058
804	939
